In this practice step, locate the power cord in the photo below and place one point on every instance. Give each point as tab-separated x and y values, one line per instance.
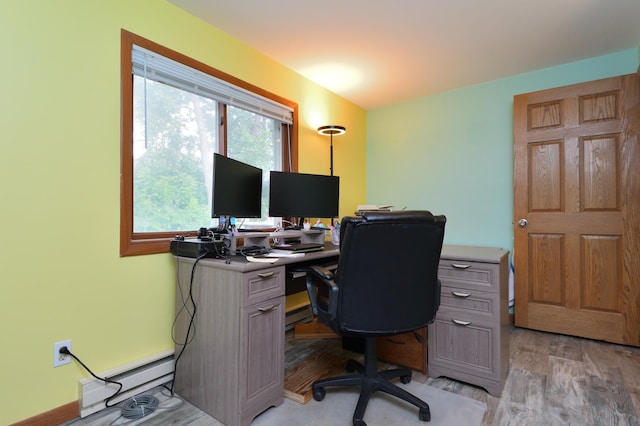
65	351
135	407
190	334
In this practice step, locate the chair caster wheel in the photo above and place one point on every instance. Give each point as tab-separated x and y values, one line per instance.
425	414
405	379
319	394
359	423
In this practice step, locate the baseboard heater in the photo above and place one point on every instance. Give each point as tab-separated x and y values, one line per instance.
136	377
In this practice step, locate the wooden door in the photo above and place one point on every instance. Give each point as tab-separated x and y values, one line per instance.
577	210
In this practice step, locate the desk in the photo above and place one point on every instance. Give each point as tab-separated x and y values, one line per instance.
233	368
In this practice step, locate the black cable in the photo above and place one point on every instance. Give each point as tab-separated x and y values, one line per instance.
66	351
184	306
187	338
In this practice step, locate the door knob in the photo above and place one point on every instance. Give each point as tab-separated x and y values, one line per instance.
523	223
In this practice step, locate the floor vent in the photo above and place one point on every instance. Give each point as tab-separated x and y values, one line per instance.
135	377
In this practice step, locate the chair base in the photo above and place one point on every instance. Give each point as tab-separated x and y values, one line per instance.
370	380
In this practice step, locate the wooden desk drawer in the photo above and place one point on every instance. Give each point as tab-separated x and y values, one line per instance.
466	301
466	345
263	284
469	275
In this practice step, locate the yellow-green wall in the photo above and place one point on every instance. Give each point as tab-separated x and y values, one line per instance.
62	277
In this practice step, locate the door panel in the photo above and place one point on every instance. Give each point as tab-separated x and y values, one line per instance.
547	285
576	185
547	170
601	260
600	185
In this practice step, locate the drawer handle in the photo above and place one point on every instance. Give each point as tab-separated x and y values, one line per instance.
266	308
460	266
458	322
266	274
458	294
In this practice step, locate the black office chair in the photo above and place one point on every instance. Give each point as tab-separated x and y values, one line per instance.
386	283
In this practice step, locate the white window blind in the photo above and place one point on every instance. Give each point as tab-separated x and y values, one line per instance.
150	65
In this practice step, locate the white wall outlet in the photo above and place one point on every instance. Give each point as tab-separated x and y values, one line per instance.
58	358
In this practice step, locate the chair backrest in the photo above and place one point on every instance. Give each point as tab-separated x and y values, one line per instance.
388	272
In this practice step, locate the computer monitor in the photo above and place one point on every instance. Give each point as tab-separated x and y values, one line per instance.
237	189
303	195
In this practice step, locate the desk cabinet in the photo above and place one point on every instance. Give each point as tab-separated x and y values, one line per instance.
469	340
233	367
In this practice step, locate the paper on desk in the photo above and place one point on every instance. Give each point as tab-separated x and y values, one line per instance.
261	259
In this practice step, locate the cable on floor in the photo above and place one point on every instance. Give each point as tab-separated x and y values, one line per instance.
139	406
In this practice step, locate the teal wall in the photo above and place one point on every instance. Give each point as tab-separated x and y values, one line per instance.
452	153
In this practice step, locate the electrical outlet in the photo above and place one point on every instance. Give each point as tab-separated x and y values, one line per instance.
58	358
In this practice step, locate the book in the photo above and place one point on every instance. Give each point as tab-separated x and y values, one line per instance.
283	253
374	207
364	208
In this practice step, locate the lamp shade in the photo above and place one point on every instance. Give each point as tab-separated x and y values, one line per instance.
332	130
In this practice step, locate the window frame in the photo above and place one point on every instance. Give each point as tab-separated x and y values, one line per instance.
139	243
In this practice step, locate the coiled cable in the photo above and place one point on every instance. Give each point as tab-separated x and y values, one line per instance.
139	406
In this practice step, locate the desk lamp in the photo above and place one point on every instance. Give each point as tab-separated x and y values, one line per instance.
332	130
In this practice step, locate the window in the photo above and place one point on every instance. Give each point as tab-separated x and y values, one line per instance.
176	112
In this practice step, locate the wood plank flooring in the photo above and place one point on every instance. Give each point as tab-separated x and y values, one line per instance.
562	380
553	380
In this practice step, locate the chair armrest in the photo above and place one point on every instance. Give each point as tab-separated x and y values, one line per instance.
321	272
318	274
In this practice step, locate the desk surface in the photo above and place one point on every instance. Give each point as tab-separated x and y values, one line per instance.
241	264
472	253
451	252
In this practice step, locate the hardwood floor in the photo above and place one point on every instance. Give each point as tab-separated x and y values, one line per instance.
553	380
562	380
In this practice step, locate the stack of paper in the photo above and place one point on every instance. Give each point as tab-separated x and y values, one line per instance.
362	208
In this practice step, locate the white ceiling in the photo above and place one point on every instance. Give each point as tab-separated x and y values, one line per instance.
380	52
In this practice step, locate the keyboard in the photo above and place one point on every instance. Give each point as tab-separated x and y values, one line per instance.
300	247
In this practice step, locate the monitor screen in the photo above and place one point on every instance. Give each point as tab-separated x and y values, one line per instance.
237	188
303	195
